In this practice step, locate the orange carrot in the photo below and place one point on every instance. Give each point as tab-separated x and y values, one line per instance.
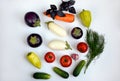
67	18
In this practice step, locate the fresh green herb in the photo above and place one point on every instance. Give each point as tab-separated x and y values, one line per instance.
96	45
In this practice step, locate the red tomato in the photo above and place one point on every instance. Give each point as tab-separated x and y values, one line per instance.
82	47
65	60
49	57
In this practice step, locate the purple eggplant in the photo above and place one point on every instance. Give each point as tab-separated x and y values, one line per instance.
77	32
32	19
34	40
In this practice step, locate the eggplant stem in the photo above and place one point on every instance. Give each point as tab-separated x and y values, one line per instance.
49	22
37	23
68	46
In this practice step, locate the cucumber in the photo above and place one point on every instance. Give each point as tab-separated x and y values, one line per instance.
78	68
61	72
41	75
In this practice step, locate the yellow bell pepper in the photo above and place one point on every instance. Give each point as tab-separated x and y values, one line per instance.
34	59
85	17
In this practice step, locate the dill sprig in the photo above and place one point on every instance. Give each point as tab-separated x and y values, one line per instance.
96	46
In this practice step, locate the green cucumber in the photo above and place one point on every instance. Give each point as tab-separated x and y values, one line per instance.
78	68
41	75
61	72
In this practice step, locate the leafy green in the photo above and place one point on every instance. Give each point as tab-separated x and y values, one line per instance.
96	45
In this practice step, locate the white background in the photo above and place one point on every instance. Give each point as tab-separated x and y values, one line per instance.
14	31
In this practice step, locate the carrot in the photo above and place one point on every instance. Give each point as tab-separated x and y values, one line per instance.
67	18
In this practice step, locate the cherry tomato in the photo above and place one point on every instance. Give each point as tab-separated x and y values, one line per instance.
65	60
82	47
49	57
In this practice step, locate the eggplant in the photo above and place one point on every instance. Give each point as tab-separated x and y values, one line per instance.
59	45
32	19
77	32
34	40
56	29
